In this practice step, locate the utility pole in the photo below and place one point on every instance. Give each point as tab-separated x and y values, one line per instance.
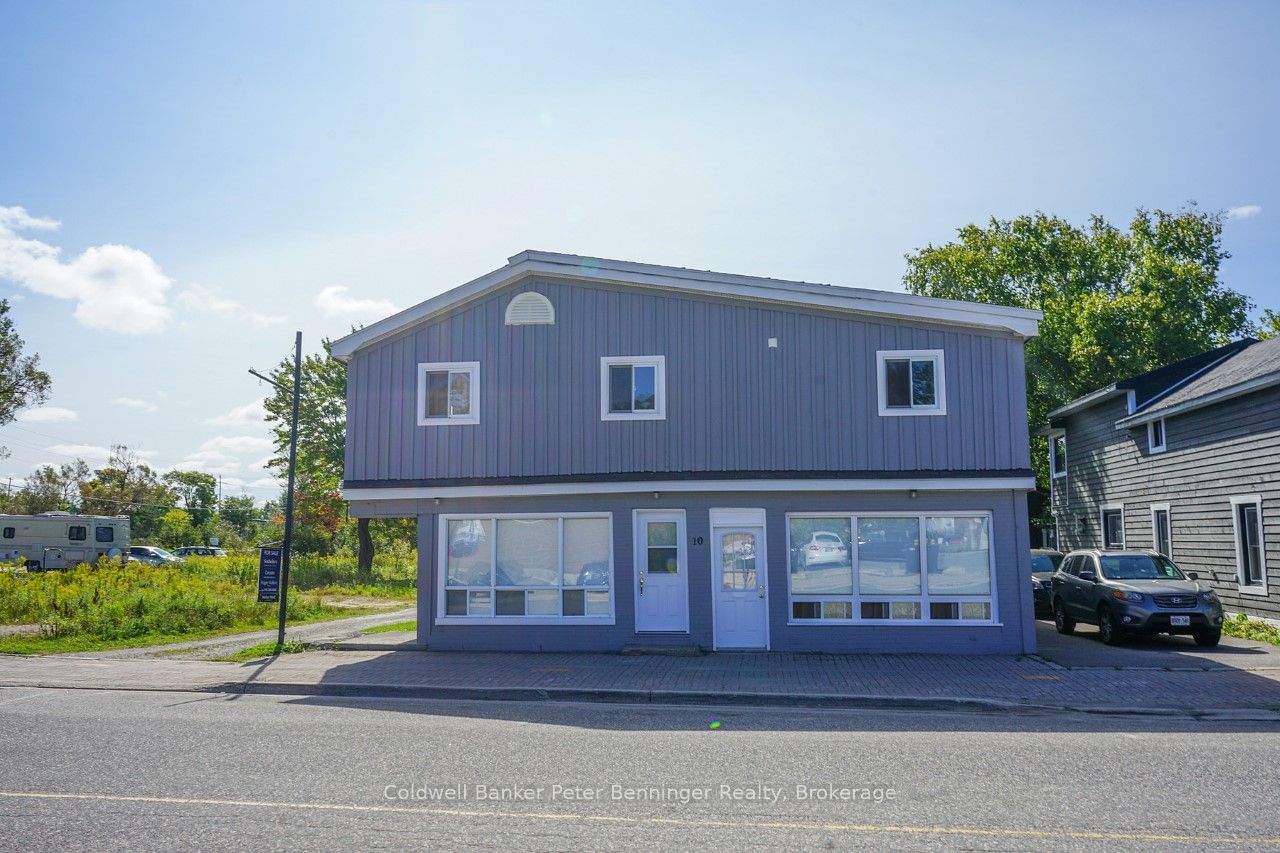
293	461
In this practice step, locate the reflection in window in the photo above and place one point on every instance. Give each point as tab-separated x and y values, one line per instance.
632	388
821	556
662	547
959	556
889	556
738	561
528	567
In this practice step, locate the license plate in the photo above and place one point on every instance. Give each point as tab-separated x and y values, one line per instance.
1179	620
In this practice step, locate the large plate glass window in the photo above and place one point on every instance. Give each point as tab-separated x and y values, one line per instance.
881	567
633	388
911	382
449	393
527	569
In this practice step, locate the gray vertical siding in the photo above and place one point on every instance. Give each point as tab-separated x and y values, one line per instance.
733	404
1014	635
1232	448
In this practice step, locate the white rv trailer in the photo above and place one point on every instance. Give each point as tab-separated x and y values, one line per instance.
56	540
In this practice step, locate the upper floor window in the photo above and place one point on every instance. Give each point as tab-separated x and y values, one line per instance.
1058	454
449	393
633	388
530	309
911	382
1155	436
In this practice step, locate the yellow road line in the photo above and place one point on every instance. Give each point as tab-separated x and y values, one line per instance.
868	828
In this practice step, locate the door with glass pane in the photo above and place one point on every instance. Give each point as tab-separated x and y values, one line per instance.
662	572
742	604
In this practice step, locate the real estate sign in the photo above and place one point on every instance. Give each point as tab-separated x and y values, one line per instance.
269	574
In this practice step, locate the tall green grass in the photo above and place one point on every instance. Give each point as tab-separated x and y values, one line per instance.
115	602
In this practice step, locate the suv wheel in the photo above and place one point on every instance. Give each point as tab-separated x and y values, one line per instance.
1064	623
1108	630
1207	638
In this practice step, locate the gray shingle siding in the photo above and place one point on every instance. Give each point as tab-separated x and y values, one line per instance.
1009	539
1228	449
733	403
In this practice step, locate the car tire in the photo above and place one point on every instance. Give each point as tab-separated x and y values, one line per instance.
1108	631
1207	639
1064	623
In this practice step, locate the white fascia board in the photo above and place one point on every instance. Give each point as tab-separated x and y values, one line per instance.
939	484
1258	384
1084	402
1018	321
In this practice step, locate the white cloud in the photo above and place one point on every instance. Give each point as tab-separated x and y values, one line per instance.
83	451
48	415
115	287
266	483
135	403
237	444
209	300
224	455
1244	211
246	415
337	301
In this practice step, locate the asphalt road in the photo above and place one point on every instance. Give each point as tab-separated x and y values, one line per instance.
89	769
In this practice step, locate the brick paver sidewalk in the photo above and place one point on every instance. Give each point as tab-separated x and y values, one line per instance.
928	680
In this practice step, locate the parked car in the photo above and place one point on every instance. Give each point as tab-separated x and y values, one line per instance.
1126	592
824	547
1044	562
151	554
198	551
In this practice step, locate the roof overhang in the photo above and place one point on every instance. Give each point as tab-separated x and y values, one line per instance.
1256	384
1020	322
1086	401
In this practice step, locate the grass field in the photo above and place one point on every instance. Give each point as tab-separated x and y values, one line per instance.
396	626
123	606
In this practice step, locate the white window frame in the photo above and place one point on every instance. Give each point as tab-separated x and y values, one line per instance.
1168	515
939	382
1252	588
471	367
924	598
658	363
1102	526
442	572
1054	471
1152	447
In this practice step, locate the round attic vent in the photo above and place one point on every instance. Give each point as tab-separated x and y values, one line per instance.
530	309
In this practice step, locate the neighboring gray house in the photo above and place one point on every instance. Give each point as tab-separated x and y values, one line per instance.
604	454
1185	460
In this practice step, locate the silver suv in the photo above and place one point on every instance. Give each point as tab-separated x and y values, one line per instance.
1133	591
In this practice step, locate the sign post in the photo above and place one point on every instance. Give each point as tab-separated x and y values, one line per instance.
269	575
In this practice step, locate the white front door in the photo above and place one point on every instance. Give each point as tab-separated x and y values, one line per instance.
662	572
742	603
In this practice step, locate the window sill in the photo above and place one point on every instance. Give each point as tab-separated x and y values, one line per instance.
439	422
1259	591
630	416
525	620
910	413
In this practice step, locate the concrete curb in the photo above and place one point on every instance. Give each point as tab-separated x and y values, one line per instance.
669	697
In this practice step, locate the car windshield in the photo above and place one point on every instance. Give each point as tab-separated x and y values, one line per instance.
162	552
1045	562
1136	567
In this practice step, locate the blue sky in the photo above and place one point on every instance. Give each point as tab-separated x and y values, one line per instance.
280	166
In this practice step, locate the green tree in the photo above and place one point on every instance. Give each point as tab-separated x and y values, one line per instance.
22	382
49	488
174	529
322	419
197	491
128	486
1116	303
239	512
1270	325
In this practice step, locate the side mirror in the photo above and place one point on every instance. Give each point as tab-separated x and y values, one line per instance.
1088	576
1193	576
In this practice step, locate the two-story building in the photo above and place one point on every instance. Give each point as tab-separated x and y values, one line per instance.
603	454
1184	460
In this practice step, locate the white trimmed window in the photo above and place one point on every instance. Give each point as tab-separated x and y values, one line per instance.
911	382
1058	454
633	388
1161	530
449	393
526	569
872	568
1155	436
1112	525
1251	555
